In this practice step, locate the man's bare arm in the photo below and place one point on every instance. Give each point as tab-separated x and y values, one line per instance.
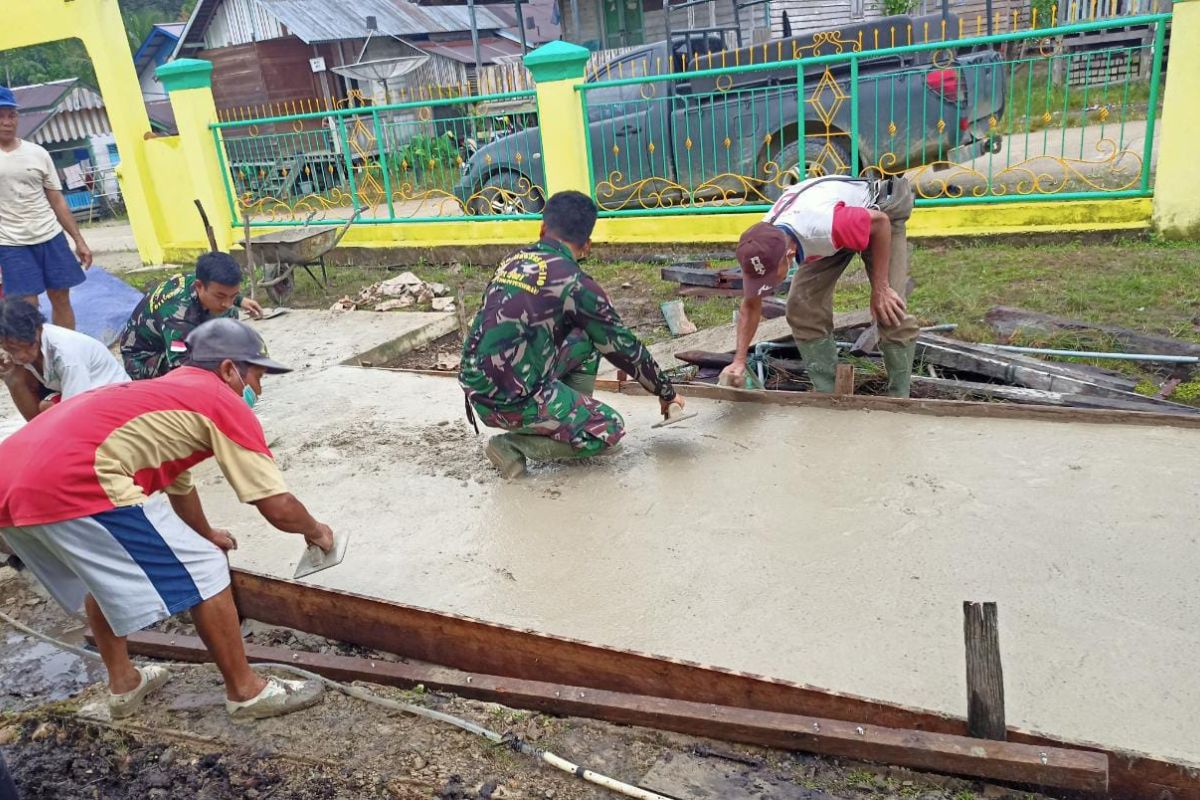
188	508
749	316
287	513
65	218
887	306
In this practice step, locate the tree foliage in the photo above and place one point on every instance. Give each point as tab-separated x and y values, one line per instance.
67	59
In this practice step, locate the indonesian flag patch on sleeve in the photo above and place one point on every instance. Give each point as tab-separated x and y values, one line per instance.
179	346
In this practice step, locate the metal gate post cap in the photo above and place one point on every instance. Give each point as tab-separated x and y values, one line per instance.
185	73
557	61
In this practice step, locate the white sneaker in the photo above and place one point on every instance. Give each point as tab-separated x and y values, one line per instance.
122	705
278	697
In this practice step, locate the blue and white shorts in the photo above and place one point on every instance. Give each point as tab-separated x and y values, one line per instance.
141	563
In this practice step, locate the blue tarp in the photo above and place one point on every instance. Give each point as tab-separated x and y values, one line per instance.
102	305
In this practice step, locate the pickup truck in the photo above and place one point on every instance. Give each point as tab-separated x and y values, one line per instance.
736	138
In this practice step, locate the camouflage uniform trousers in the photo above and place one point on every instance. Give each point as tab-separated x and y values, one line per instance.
562	411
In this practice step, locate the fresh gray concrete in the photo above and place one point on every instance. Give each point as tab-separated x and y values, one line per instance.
829	547
306	339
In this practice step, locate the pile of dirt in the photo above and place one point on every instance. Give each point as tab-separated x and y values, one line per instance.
71	760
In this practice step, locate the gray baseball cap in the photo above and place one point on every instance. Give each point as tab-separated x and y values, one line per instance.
222	338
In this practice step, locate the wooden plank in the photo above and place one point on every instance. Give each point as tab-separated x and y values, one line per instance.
935	408
1078	770
843	380
477	646
1013	368
1018	394
1007	321
689	275
985	677
863	402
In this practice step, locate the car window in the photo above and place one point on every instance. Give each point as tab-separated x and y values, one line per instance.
630	66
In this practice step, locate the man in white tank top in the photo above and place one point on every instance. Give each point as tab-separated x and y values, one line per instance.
820	224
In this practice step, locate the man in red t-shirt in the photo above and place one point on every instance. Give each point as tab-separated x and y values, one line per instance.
85	511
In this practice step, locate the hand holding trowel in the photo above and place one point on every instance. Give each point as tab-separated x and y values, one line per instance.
673	412
325	549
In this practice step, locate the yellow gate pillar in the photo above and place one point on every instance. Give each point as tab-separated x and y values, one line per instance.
188	82
1176	212
557	68
99	25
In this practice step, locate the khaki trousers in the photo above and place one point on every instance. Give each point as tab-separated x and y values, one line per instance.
810	300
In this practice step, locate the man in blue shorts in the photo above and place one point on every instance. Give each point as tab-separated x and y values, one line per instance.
34	222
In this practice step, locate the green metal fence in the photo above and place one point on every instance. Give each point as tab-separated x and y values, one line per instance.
1019	116
425	161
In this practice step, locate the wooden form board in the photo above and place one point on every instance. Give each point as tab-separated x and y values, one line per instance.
473	645
859	402
1033	765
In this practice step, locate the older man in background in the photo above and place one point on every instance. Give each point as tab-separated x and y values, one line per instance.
34	223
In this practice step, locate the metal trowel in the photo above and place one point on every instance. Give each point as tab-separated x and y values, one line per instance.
315	559
674	414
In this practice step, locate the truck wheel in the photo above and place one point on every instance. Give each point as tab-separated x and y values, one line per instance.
818	160
506	193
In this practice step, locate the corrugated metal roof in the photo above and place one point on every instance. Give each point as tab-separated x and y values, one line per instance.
491	48
331	20
42	95
61	111
30	121
67	126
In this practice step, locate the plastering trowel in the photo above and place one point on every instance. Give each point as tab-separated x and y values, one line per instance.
315	559
674	414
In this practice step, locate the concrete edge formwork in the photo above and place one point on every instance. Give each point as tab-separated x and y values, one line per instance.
494	651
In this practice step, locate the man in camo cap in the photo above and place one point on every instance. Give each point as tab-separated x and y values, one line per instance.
530	360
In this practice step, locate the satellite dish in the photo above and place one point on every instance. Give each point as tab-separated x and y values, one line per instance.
383	69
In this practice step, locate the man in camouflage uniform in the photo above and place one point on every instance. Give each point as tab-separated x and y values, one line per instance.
153	341
530	360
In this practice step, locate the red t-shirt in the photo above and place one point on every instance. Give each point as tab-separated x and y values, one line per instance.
116	445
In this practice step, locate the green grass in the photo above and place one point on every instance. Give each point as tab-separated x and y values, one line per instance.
1030	96
1147	286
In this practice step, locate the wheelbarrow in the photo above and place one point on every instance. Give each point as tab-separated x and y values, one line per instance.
281	253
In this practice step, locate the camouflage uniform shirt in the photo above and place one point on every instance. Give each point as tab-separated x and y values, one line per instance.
538	297
152	343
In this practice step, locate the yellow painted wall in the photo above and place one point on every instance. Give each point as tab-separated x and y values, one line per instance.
1176	210
1010	218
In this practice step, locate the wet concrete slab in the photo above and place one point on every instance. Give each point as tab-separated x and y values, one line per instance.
308	339
829	547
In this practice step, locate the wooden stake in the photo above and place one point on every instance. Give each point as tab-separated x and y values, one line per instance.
985	678
843	382
249	255
212	237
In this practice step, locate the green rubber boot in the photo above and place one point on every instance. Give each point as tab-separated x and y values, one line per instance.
898	360
508	452
820	359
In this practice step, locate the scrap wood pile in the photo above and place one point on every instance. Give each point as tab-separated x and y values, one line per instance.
950	369
405	290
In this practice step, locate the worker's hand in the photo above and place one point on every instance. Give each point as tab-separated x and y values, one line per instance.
222	539
84	253
321	536
664	406
7	365
734	375
252	308
887	307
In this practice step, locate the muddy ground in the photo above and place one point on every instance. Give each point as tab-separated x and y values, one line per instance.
59	743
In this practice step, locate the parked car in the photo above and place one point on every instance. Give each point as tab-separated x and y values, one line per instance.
737	136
